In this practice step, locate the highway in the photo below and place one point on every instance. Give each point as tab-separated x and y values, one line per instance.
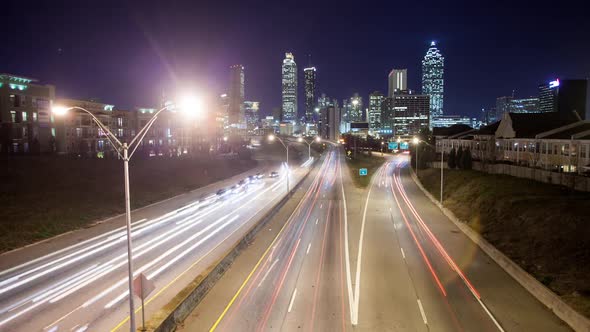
382	258
83	287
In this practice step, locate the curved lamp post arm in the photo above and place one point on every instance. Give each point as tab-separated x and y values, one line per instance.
112	138
280	140
142	132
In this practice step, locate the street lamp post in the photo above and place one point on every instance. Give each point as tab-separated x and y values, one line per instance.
123	152
301	139
272	138
416	141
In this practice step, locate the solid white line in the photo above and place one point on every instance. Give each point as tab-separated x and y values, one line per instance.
490	314
357	284
316	221
403	254
292	300
267	272
309	246
346	250
321	206
422	312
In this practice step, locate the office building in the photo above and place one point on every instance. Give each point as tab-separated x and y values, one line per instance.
398	81
525	105
289	88
405	114
352	109
26	122
564	96
503	105
252	114
310	93
236	95
433	79
374	112
329	124
450	120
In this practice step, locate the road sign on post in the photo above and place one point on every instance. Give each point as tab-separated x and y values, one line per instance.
142	287
392	145
363	172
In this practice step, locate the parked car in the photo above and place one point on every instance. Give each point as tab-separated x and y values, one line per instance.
259	175
273	174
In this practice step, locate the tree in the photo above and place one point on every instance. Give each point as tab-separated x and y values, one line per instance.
459	158
452	160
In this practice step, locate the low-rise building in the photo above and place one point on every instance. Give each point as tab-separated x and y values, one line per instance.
550	141
26	122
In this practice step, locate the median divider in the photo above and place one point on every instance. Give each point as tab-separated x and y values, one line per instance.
178	309
573	318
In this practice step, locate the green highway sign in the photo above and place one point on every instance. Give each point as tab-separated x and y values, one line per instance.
363	171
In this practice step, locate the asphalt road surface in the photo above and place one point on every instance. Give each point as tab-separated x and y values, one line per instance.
84	287
380	259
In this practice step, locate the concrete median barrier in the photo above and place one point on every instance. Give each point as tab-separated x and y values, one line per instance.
187	300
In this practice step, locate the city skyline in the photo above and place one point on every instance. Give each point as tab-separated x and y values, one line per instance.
151	59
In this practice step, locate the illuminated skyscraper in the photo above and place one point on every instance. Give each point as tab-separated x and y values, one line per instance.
310	92
398	81
289	79
375	101
236	95
352	109
432	79
251	113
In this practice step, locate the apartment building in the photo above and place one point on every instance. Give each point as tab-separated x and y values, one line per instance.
26	124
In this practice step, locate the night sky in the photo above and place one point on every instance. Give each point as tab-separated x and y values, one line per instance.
129	53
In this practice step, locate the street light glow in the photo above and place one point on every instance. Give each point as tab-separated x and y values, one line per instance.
59	110
300	139
318	139
271	137
415	140
190	105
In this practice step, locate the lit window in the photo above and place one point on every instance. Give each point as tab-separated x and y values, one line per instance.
24	115
34	116
13	116
53	132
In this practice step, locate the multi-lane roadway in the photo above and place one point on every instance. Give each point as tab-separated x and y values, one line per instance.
83	287
382	258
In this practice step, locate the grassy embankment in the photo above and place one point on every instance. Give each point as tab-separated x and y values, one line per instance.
544	228
371	163
44	197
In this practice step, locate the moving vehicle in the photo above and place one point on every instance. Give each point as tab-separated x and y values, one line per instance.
273	174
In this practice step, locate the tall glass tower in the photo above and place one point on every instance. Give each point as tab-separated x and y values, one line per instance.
432	79
236	94
289	75
310	92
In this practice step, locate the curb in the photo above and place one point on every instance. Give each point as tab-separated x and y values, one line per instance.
208	280
566	313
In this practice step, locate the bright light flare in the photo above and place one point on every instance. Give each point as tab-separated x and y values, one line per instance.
300	140
60	110
271	137
415	140
190	105
318	139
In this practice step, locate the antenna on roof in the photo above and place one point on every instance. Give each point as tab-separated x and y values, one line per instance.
309	60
